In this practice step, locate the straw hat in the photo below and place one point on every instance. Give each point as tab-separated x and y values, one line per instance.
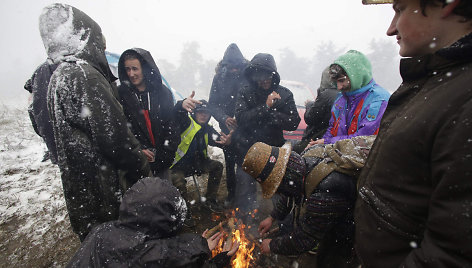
374	2
267	164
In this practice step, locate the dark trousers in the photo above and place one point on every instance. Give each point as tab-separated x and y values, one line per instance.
212	167
230	165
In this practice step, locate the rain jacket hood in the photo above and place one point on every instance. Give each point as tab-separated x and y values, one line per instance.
233	57
326	82
357	67
153	206
262	62
151	72
151	213
70	35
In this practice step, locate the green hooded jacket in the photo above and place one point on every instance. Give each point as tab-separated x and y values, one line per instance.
357	67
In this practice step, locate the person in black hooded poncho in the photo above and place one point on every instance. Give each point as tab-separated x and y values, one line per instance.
146	234
148	105
94	145
228	80
264	109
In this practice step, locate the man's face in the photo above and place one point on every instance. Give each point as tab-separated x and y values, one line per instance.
134	72
265	84
202	117
263	80
415	32
343	83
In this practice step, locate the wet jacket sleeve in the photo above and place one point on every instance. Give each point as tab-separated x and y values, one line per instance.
316	110
109	130
213	135
172	136
285	114
181	117
447	234
215	101
282	206
323	209
367	125
254	116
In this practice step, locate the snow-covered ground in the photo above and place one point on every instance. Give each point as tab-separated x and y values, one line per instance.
33	216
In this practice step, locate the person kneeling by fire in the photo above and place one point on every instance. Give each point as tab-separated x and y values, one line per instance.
319	188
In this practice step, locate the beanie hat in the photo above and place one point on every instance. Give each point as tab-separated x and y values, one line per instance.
202	107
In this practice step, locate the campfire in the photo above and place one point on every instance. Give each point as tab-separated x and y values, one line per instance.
235	231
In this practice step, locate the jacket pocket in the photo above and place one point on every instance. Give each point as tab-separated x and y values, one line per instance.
389	218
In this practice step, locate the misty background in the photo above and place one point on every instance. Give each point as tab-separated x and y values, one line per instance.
188	38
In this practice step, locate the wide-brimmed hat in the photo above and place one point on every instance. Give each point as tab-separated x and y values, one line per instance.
267	164
375	2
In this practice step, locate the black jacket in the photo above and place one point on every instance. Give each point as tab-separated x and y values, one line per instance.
257	122
145	235
318	113
94	144
326	221
38	86
226	85
163	125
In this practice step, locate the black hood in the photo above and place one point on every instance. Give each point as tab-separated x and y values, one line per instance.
233	58
151	73
70	35
154	206
326	81
262	62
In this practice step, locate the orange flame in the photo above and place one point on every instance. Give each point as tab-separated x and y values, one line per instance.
243	257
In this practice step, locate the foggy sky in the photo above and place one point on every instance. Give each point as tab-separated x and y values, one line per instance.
163	26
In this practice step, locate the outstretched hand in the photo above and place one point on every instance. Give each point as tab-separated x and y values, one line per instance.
265	246
231	247
265	225
312	142
231	123
189	103
225	139
213	240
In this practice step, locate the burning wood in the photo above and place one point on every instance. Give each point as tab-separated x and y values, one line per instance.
215	229
235	232
258	240
231	221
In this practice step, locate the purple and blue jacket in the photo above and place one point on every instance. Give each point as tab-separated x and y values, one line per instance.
357	113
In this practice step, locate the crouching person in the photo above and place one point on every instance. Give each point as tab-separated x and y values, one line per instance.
151	214
191	157
319	186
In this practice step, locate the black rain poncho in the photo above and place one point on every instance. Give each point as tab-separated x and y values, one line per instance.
93	141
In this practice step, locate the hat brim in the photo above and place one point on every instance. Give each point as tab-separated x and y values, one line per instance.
272	183
376	2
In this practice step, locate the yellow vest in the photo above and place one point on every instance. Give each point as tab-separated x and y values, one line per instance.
186	139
